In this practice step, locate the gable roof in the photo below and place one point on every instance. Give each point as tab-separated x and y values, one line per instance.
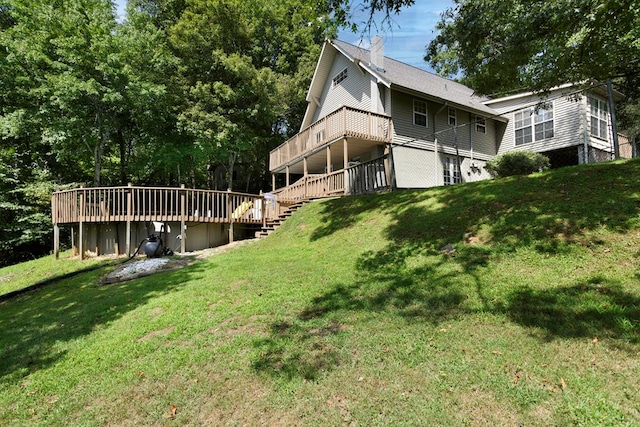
405	76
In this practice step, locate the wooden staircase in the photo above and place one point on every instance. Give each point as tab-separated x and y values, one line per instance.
273	224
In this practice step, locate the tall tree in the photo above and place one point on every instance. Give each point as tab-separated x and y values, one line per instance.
535	44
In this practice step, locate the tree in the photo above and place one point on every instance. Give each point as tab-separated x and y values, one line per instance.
536	45
244	69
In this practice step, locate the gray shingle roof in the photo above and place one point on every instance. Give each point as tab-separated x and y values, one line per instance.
406	76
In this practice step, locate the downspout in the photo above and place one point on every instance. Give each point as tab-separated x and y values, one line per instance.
614	126
585	118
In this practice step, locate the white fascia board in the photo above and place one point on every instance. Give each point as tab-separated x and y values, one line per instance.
527	94
362	66
315	72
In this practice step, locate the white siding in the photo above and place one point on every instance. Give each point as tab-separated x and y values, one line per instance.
415	168
422	167
354	91
567	122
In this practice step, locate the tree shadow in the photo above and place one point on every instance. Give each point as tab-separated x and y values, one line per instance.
412	277
591	308
297	349
35	323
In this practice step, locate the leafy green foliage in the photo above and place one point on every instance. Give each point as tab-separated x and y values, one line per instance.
537	45
172	94
522	162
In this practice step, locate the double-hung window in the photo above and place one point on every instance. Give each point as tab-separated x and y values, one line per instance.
452	117
481	124
451	171
419	113
598	114
533	124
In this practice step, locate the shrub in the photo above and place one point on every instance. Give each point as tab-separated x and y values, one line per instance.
517	163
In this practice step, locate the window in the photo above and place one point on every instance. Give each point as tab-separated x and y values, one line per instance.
419	113
320	136
598	114
533	124
340	77
451	171
452	117
481	124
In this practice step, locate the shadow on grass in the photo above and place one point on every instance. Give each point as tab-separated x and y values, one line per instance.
588	309
295	349
552	214
32	325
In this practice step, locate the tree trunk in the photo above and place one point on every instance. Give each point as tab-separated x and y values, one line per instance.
123	156
232	161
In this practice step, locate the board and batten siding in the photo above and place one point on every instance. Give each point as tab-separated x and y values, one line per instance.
568	122
354	91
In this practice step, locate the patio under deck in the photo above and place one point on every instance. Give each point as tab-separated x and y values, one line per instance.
112	207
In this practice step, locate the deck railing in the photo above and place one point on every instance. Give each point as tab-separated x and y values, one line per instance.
313	186
345	122
367	177
119	204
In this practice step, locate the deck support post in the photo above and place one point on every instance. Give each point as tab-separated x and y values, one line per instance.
81	224
74	246
56	240
183	224
345	164
287	182
230	213
263	209
328	159
128	226
273	182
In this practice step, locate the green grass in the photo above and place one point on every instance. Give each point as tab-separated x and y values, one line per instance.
350	315
19	276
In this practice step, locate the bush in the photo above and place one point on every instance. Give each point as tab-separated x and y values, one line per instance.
517	163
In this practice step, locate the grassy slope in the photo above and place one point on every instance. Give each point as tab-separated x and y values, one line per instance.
350	315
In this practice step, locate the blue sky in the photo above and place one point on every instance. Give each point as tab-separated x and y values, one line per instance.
405	41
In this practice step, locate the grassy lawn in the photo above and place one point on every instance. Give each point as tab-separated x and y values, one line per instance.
350	315
20	276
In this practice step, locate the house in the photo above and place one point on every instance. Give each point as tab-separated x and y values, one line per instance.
569	125
373	122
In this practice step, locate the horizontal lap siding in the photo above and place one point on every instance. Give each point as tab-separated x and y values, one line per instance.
354	91
568	123
415	168
467	139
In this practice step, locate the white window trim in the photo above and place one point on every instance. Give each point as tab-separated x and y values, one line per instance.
451	173
534	118
340	77
481	124
420	113
602	123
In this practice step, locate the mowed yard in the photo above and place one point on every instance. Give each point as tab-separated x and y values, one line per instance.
350	314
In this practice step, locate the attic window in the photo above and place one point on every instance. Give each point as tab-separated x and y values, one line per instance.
342	75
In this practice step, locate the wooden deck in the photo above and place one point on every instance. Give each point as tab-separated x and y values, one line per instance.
342	123
131	204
